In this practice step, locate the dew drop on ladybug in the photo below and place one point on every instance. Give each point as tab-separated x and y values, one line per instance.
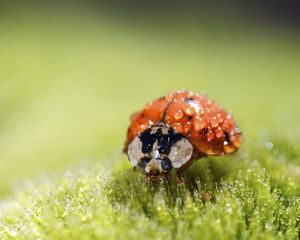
176	130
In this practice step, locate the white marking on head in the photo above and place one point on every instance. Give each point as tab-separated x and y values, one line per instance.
156	154
154	164
135	151
181	152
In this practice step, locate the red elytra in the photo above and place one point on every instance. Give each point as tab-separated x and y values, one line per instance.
210	129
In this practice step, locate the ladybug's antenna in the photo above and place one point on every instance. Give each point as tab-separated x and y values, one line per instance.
165	112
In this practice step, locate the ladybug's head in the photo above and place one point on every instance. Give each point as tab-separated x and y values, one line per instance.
159	149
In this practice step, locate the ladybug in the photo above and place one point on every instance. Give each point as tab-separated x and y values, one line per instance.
176	129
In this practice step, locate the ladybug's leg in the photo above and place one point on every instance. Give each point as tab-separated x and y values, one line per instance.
181	170
166	176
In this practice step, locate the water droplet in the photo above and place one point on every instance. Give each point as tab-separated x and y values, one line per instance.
210	136
214	122
228	208
199	124
68	173
269	145
187	127
83	218
268	226
178	115
12	232
178	127
219	132
189	110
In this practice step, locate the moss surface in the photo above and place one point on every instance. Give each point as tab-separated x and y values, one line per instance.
236	197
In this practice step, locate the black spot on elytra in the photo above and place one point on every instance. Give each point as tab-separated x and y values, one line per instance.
188	99
190	118
143	115
204	131
226	136
165	141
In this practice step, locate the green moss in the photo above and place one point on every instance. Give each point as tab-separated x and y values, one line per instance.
235	197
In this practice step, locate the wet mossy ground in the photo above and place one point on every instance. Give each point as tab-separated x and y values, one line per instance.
242	196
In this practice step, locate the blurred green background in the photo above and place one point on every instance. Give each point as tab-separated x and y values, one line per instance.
70	76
